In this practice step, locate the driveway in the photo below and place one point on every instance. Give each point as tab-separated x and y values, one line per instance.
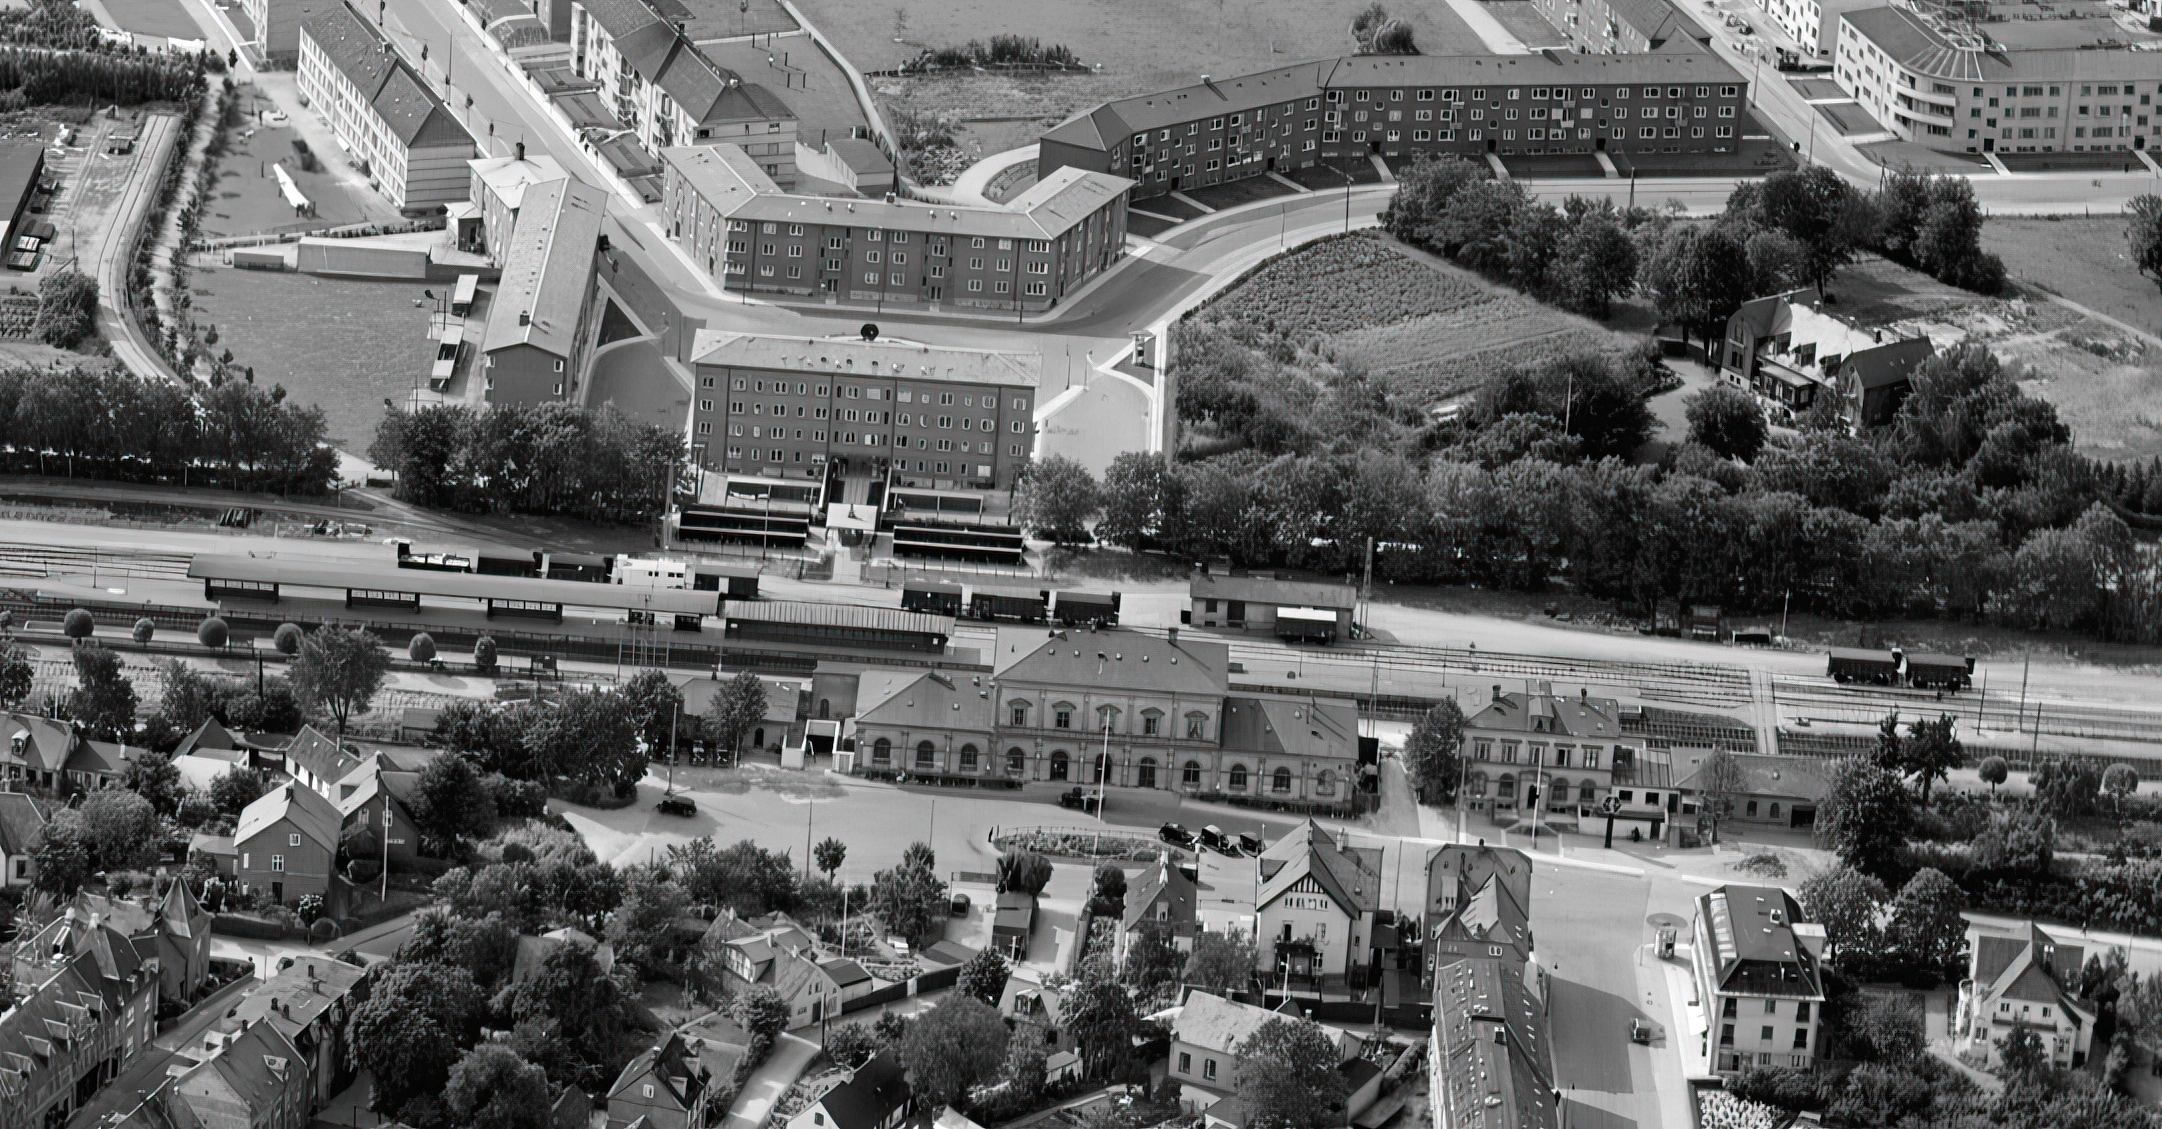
772	1079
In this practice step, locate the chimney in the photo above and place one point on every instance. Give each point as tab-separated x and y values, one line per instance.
1497	691
1174	636
521	151
525	317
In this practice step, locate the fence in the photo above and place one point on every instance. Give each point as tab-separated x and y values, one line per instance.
885	995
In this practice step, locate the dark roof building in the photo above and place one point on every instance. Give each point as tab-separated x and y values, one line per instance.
1873	383
22	830
1492	1055
876	1096
1758	968
1478	897
541	320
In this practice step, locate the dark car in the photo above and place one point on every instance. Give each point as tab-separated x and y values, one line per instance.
960	905
1176	835
1212	837
1074	797
673	804
1250	843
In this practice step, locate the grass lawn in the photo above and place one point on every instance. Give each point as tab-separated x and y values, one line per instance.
154	17
2085	260
343	344
1522	19
1140	47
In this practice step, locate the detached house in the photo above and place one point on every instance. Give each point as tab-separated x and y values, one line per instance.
1317	905
1161	897
876	1096
318	762
22	829
1206	1040
288	844
780	955
1038	1012
665	1086
372	808
308	1002
35	750
2020	975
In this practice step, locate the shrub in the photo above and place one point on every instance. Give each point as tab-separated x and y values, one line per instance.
287	638
78	624
67	308
213	633
145	628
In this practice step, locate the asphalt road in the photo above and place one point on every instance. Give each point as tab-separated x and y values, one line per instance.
1590	928
116	247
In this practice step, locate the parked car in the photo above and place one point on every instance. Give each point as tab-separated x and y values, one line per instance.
1176	835
1250	843
1212	837
960	905
673	804
1075	797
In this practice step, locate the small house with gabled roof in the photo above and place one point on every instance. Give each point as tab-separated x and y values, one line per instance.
1316	905
2020	974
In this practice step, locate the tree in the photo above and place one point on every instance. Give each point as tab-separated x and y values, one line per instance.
484	652
1886	1029
1926	926
78	624
762	1012
911	900
120	828
984	977
494	1087
1142	501
16	676
1869	816
485	947
103	703
1599	264
1288	1077
152	776
287	639
655	704
1026	1066
1220	962
851	1045
736	710
588	1010
1433	752
1152	965
1930	752
339	670
1817	209
1055	498
1101	1018
421	647
951	1048
1108	899
587	737
212	633
829	854
1719	779
145	629
411	1029
1846	902
63	856
2066	787
1728	421
1023	872
2144	233
236	788
646	910
2120	780
1994	771
449	803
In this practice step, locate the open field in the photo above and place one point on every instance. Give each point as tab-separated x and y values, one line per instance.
1135	48
342	343
152	17
2085	260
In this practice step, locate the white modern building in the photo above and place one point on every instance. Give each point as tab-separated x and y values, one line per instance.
403	136
1757	966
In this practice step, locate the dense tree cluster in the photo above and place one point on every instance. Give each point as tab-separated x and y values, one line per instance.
552	458
35	77
67	308
1580	255
111	425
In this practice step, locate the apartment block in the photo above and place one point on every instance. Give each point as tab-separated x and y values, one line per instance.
806	407
1678	98
1622	27
2006	83
1758	965
409	146
753	237
667	92
544	317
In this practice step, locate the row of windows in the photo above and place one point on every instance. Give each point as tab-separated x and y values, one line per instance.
1537	94
1197	723
1587	757
1236	780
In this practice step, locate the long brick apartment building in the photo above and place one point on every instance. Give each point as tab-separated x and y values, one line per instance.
752	236
1677	98
807	407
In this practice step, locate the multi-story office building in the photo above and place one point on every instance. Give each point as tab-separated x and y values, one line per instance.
668	92
1621	27
2008	84
409	146
911	415
730	216
544	316
1757	965
1678	99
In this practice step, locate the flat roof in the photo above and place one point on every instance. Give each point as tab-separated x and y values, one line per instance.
838	615
456	585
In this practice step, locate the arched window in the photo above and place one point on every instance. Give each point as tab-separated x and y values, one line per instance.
1058	764
1325	784
1775	810
1145	774
1282	780
1107	717
1062	715
825	708
1191	774
968	758
882	751
1505	788
1016	761
758	737
926	754
1152	722
1238	778
1587	792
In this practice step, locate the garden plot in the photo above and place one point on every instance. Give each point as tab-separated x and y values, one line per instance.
1427	330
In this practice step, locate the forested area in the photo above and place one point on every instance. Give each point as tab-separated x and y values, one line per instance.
555	458
82	423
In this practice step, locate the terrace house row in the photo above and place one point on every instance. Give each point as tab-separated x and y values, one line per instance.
733	218
1677	98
